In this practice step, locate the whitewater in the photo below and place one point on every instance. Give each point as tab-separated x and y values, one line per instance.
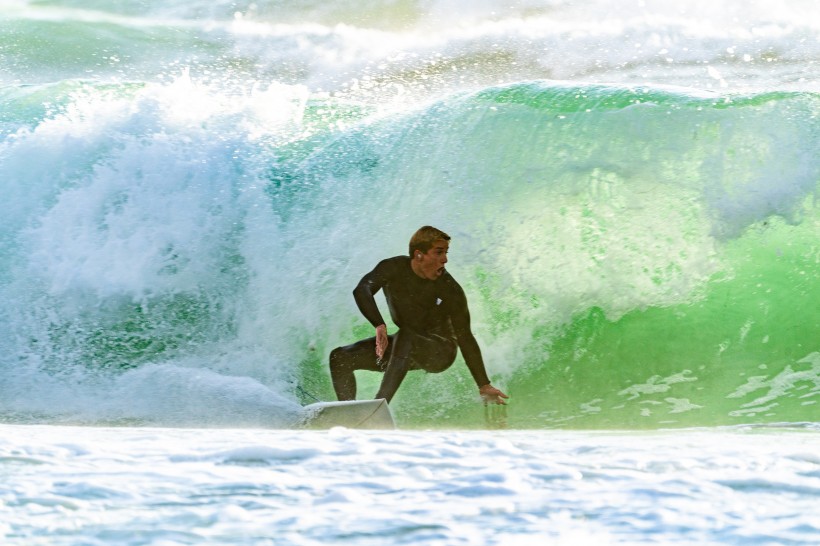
191	190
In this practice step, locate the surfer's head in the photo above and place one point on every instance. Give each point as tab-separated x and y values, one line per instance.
424	238
428	252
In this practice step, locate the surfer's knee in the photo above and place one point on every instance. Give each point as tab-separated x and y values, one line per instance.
336	357
437	367
438	358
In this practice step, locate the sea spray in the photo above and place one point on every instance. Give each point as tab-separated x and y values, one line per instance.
123	241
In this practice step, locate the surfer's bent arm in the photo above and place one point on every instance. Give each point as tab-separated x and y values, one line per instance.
365	293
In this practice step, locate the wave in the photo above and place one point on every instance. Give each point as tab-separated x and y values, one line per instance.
634	256
631	247
379	49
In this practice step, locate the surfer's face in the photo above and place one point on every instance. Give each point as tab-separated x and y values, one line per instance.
430	265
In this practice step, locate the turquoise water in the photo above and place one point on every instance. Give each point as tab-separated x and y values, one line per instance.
190	191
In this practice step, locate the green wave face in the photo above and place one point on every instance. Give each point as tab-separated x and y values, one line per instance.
634	257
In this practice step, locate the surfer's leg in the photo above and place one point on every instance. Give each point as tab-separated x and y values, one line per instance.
398	365
345	360
412	351
433	353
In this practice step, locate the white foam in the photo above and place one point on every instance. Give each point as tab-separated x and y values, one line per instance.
227	485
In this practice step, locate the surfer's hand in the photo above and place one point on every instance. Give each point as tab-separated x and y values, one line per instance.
381	340
491	395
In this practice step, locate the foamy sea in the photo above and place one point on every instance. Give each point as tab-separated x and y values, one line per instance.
134	486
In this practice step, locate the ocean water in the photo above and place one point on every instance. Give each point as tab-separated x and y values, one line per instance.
91	485
190	191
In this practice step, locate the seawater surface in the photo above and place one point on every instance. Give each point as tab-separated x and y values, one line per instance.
192	188
134	486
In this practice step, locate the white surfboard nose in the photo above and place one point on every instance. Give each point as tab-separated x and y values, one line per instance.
360	414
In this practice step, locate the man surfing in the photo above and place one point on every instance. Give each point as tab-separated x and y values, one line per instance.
430	309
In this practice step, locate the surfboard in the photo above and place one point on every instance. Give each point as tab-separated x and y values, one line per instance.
361	414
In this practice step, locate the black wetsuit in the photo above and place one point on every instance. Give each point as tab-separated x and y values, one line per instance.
433	321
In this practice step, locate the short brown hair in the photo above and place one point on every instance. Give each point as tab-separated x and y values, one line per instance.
424	238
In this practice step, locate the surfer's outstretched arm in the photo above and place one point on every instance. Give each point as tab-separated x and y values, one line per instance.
472	352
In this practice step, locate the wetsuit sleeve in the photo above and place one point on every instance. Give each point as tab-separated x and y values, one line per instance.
367	288
467	343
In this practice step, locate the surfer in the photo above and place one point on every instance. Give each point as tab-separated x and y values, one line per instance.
430	309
